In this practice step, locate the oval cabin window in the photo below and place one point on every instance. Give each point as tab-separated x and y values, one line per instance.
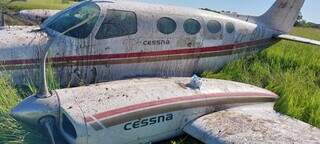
191	26
166	25
214	26
230	27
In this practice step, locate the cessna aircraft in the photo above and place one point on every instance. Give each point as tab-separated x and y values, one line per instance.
112	40
97	41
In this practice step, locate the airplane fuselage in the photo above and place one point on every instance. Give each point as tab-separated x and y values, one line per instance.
130	39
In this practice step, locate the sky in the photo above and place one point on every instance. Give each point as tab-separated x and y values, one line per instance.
310	10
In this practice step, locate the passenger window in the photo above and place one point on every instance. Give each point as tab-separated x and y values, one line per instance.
117	23
230	27
214	26
191	26
166	25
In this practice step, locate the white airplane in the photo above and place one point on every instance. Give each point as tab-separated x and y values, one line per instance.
112	40
96	41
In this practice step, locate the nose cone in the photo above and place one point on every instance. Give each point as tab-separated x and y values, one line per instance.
32	109
27	110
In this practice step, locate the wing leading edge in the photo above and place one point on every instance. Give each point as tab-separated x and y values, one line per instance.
298	39
257	123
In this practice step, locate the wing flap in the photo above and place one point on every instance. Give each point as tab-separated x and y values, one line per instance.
298	39
257	123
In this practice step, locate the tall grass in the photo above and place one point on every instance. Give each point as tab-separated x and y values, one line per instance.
10	130
8	94
43	4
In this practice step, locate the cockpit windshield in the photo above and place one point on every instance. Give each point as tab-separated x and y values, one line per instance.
78	21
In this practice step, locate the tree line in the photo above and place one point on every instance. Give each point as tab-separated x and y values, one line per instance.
303	23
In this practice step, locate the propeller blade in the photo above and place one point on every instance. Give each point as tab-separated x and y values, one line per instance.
47	124
48	127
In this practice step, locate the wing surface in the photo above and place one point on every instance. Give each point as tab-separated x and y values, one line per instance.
257	123
298	39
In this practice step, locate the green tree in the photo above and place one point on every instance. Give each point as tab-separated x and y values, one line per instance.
299	20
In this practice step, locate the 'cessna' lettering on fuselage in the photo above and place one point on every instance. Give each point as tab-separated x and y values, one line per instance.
156	42
148	122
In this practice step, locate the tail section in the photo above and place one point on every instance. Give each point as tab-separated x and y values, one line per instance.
282	15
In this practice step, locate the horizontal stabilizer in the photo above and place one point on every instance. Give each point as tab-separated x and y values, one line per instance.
298	39
257	123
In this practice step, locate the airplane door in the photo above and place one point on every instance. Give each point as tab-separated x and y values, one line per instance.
113	38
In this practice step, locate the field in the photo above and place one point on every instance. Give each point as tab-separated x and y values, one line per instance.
43	4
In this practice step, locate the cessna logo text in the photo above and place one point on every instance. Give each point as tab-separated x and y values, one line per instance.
156	42
148	122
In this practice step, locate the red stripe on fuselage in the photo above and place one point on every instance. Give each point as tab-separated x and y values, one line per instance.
137	54
174	100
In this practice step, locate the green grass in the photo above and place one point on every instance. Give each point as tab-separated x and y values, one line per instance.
12	132
32	4
40	4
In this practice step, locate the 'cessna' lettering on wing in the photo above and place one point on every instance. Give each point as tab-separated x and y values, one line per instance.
148	122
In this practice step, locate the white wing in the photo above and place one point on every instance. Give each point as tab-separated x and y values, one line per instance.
298	39
257	123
